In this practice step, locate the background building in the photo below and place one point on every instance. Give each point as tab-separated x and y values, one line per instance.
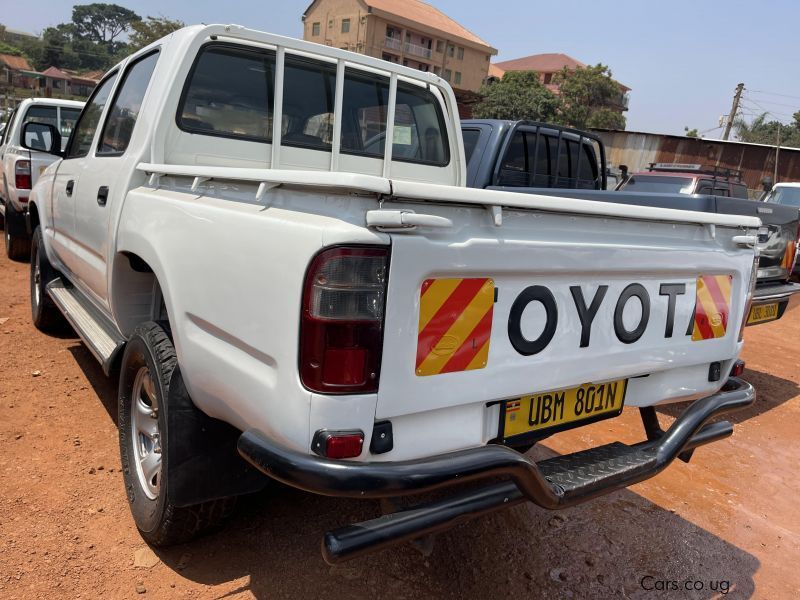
408	32
547	66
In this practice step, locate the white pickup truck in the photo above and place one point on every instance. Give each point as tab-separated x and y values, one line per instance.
228	229
21	164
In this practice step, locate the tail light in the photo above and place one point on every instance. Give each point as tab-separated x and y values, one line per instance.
751	286
22	174
341	333
737	369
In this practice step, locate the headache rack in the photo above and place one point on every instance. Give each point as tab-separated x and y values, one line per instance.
715	171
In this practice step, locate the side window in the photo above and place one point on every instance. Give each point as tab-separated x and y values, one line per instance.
471	137
587	171
544	158
121	118
721	190
739	190
514	166
9	126
419	131
87	124
229	94
308	103
704	187
42	114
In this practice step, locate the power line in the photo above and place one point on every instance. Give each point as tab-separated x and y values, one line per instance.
773	94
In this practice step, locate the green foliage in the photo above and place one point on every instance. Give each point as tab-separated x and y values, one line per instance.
588	98
762	131
92	40
153	28
101	23
693	133
518	95
9	49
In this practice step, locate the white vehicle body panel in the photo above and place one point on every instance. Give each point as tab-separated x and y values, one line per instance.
229	228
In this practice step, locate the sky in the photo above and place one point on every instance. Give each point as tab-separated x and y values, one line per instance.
682	59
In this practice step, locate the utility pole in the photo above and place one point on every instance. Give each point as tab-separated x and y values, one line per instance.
734	109
777	154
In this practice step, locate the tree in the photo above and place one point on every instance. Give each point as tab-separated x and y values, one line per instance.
589	97
762	131
151	29
691	132
102	23
518	95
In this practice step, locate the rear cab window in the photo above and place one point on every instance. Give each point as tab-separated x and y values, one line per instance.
229	93
535	160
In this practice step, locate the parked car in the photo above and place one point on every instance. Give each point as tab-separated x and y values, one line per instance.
786	194
356	322
535	157
674	178
22	161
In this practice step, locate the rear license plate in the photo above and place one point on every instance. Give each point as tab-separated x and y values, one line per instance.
765	312
563	409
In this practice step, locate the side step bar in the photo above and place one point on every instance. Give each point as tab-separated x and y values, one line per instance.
95	329
553	483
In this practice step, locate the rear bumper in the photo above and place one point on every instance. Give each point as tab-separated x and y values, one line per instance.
554	483
782	294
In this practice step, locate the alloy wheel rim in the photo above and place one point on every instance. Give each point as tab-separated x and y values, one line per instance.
37	278
145	433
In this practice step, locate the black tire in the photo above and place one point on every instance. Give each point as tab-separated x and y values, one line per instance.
44	312
17	247
159	521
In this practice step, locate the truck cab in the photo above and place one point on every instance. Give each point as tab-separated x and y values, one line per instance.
673	178
23	161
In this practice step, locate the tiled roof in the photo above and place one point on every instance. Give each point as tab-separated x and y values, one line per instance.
495	71
55	73
541	63
16	63
425	14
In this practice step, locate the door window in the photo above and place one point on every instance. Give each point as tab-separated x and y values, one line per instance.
128	102
81	142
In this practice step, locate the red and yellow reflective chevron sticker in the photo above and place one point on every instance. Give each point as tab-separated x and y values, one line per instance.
788	256
455	324
712	307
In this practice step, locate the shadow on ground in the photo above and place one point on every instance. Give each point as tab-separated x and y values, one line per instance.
771	392
605	548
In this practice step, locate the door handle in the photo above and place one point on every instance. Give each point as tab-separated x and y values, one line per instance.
102	195
70	187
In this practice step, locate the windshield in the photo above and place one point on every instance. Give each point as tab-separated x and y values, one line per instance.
784	195
659	184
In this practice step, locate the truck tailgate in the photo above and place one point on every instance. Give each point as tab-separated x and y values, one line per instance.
547	301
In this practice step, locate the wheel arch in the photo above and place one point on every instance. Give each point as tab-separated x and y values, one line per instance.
138	289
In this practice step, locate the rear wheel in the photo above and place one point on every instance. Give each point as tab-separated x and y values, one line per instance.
147	368
44	313
18	247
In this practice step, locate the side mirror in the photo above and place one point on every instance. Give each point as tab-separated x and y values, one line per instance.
42	137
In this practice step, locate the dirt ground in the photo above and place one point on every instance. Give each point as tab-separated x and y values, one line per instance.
724	525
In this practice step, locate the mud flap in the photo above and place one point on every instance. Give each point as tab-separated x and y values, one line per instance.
203	463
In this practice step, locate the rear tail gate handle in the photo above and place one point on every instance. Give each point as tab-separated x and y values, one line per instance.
102	195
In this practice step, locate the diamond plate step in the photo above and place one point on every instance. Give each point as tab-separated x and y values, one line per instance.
584	471
95	329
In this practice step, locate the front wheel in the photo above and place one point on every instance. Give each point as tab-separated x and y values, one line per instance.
146	371
44	313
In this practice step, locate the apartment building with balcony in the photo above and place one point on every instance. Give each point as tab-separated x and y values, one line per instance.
407	32
547	66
